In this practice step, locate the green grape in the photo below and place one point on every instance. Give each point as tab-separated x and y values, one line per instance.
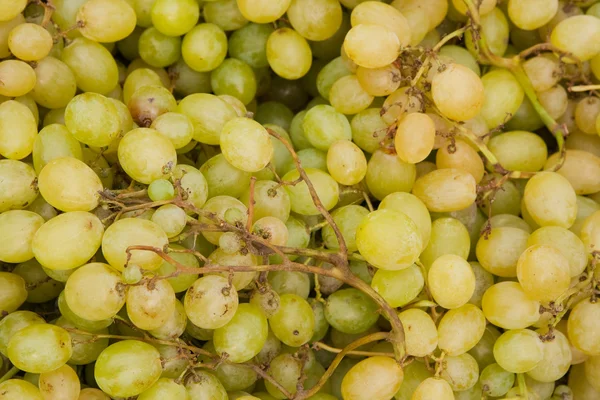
219	205
414	373
347	218
208	114
204	47
290	282
186	81
379	81
246	144
461	372
222	178
92	119
503	96
421	334
434	188
582	327
350	311
225	14
383	373
461	156
174	18
590	234
18	130
62	382
387	173
132	274
315	20
586	113
54	141
41	207
53	252
525	118
149	102
556	359
263	11
244	335
506	305
285	370
519	150
29	42
40	287
236	78
149	306
347	95
137	79
266	299
563	208
77	321
483	281
10	9
94	68
495	27
158	49
359	41
17	229
129	47
236	259
161	189
28	101
460	329
585	208
324	185
39	348
579	168
270	350
543	272
451	281
272	230
496	381
249	44
460	55
127	368
274	113
288	53
507	201
330	74
174	326
309	158
14	322
95	292
414	209
182	281
19	389
18	78
321	324
298	236
293	323
399	288
204	385
165	388
6	26
194	183
211	302
483	350
518	350
173	363
532	14
106	21
499	252
269	200
577	35
433	388
511	221
297	135
448	236
171	219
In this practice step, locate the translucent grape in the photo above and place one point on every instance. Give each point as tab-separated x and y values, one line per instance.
92	119
241	134
293	323
20	389
14	322
263	11
371	12
301	201
18	78
315	20
458	101
174	18
496	381
577	35
383	373
503	95
208	114
235	78
518	350
106	20
161	189
560	209
92	64
62	382
582	325
288	54
446	190
18	130
415	136
249	44
461	372
243	336
17	231
204	47
543	272
225	14
39	348
579	168
347	95
211	302
54	141
461	329
499	253
350	311
506	305
556	360
420	332
387	173
372	46
29	42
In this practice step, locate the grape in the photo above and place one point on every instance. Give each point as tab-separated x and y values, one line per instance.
171	219
165	388
208	114
315	20
387	173
507	305
581	327
579	168
20	389
211	302
156	148
543	272
106	20
384	374
451	281
293	323
92	64
29	42
459	102
554	100
219	206
288	53
18	78
420	332
347	95
174	18
433	388
577	35
13	323
301	201
350	311
204	47
503	95
243	336
62	382
95	292
236	78
461	329
586	113
414	208
127	368
40	287
84	350
379	81
499	253
556	360
329	74
269	200
399	288
224	14
150	305
531	14
149	102
263	11
461	372
372	46
446	190
460	155
560	210
495	27
70	318
448	236
346	162
17	187
518	350
54	141
240	258
17	231
414	138
161	189
17	130
496	381
237	136
203	384
39	348
92	119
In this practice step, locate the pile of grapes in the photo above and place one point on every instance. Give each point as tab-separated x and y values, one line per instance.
299	199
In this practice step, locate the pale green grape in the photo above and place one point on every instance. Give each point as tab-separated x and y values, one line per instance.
543	272
309	158
399	288
171	219
137	79
219	205
54	141
458	92
420	332
451	281
554	100
585	208
384	375
556	360
301	201
462	156
293	282
146	155
414	374
433	388
236	259
372	46
62	382
350	311
286	370
329	74
379	81
20	389
18	130
293	323
387	173
127	368
460	55
194	183
211	302
150	305
175	18
269	200
506	305
448	236
271	229
263	11
161	189
14	322
582	327
84	350
507	200
39	348
389	240
483	351
483	281
77	321
17	229
315	20
525	118
518	350
130	232
414	208
519	150
208	114
590	234
95	292
235	78
52	247
41	207
499	252
415	137
495	27
461	372
204	47
92	119
586	114
460	329
92	64
532	14
267	300
246	144
204	385
17	187
577	35
223	178
159	50
288	53
165	388
40	287
18	78
225	14
579	168
446	189
347	95
186	81
496	381
346	162
347	219
173	364
249	44
560	209
503	95
149	102
106	20
243	336
29	42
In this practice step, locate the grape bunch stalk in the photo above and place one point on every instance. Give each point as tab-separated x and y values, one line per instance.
299	199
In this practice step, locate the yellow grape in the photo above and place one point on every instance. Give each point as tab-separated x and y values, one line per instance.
372	12
543	273
399	288
18	185
18	130
446	190
246	144
433	388
581	168
564	241
554	100
485	7
387	173
379	81
503	96
30	42
384	375
14	294
499	252
415	137
420	332
372	46
578	35
210	302
389	240
590	232
543	71
149	306
263	11
435	9
506	305
61	383
40	348
327	189
532	14
106	21
204	47
518	350
346	162
400	102
414	208
451	281
20	389
556	360
54	141
288	53
583	327
174	18
461	329
550	200
347	95
316	20
68	184
519	150
92	119
460	155
458	92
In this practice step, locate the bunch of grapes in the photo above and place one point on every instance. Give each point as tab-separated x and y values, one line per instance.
299	199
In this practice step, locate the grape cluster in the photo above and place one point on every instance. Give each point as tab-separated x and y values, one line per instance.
299	199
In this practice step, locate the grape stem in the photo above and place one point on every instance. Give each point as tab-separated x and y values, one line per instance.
11	372
584	88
